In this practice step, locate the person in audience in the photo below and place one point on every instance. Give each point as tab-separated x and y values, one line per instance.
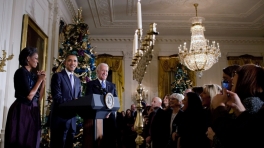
197	89
133	110
228	73
209	91
193	124
23	126
145	132
186	91
175	114
120	122
246	98
165	102
129	133
145	111
123	113
158	127
144	104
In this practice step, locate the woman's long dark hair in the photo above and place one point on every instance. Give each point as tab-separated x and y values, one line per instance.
250	82
194	102
163	104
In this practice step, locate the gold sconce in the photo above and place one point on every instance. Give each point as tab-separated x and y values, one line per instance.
3	60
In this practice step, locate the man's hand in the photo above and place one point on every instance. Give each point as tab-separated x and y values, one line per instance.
107	116
148	139
174	136
210	133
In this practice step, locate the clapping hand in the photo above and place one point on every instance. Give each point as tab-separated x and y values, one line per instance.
41	72
41	75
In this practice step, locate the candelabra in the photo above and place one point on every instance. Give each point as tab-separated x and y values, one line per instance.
142	56
4	59
144	95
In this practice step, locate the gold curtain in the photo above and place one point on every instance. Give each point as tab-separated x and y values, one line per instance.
245	59
115	64
167	68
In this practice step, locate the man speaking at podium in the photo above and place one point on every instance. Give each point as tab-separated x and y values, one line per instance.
102	86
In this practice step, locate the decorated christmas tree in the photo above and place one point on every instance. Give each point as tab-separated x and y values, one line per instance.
73	40
182	80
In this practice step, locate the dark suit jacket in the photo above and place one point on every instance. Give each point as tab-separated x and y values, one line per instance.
94	87
175	123
158	128
61	91
176	120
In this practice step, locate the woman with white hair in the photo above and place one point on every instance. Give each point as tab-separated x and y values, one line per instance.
209	91
174	115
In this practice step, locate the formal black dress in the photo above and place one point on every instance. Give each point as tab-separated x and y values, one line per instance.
192	129
23	125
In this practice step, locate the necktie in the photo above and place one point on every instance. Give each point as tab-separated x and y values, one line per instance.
103	84
72	80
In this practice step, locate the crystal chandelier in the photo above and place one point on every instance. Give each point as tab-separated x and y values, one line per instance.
201	56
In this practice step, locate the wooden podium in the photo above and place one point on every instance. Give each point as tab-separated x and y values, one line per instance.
93	110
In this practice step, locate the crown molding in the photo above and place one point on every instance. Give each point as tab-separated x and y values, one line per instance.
173	40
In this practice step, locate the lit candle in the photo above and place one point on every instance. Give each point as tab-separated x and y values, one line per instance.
5	45
213	43
135	42
133	49
12	48
139	15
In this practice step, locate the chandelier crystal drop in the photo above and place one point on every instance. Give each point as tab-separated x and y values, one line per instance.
201	56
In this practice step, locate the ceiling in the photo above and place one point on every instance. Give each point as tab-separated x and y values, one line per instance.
223	18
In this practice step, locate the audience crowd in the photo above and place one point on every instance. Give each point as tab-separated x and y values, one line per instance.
208	116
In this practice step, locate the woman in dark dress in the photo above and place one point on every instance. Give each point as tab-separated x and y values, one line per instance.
23	126
193	124
129	134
